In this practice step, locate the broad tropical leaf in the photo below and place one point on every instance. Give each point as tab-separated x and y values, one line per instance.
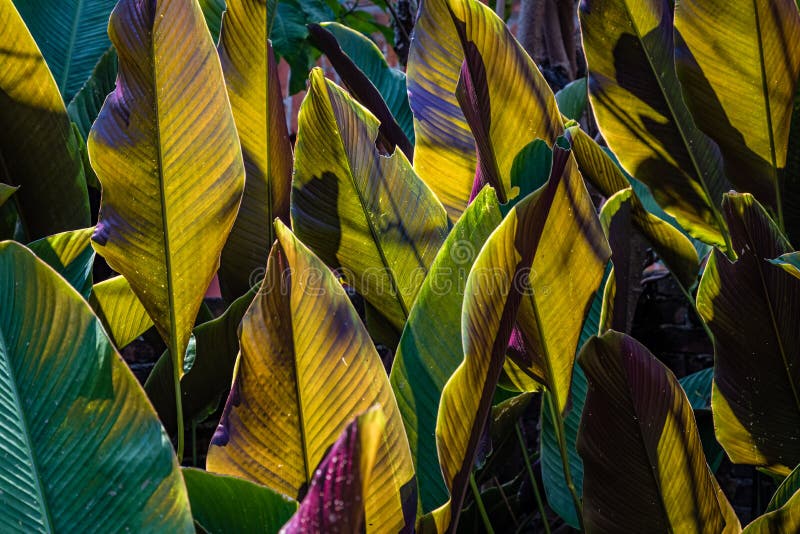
368	215
751	307
169	163
783	519
251	77
430	347
512	274
672	246
40	153
640	111
6	191
335	500
789	262
573	98
637	416
81	445
306	367
72	35
86	104
120	310
222	504
390	82
71	255
739	64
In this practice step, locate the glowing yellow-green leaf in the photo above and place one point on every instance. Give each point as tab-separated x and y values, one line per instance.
784	519
167	155
71	255
739	63
789	262
541	266
40	153
640	111
362	213
120	310
307	366
251	77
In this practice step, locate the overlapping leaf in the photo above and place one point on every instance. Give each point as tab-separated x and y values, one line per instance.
335	500
518	270
307	366
169	163
739	64
751	306
71	255
81	445
251	77
86	104
640	111
644	468
40	152
784	519
120	310
368	215
789	262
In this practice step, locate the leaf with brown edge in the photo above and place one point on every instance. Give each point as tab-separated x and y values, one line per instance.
751	307
643	464
522	256
306	367
254	90
335	500
637	99
169	163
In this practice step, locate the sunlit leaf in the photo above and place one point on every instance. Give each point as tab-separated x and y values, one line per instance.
751	307
335	499
739	64
222	504
643	464
789	262
40	152
367	215
251	77
71	255
783	519
640	111
81	445
307	366
120	310
169	163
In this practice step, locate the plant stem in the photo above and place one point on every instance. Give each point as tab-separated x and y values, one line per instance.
562	446
176	380
536	493
475	493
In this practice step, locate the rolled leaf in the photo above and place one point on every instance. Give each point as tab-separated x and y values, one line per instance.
751	307
641	113
169	163
82	446
367	215
307	366
120	310
335	500
71	255
41	154
739	64
637	416
251	77
71	35
672	246
222	504
430	347
511	276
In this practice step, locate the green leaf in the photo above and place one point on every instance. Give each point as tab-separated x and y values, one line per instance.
82	446
171	168
71	255
517	271
251	77
739	64
640	111
751	307
71	35
303	338
601	170
788	487
391	83
643	464
6	191
789	262
223	504
86	104
367	215
573	98
784	519
40	153
698	388
120	310
430	347
212	12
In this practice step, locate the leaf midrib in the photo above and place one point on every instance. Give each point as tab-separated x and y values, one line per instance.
26	436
